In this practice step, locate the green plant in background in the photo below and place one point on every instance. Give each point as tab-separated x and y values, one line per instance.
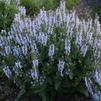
32	6
72	3
7	13
51	4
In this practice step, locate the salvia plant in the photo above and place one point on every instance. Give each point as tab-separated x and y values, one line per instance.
54	53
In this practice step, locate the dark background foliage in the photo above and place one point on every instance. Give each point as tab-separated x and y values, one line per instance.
94	6
7	13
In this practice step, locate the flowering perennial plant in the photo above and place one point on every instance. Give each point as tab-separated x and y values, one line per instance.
53	52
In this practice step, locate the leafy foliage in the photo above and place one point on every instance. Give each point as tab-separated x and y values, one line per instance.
7	13
50	4
34	6
72	3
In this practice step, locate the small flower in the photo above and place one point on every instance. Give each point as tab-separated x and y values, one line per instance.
17	38
15	51
7	71
89	36
7	50
61	66
16	71
34	48
17	17
44	40
98	75
22	10
79	39
18	65
51	50
35	63
34	74
84	49
24	50
67	46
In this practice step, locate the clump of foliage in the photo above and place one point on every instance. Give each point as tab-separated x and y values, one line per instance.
34	6
50	4
72	3
51	54
7	12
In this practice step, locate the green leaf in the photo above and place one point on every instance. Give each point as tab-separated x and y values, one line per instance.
1	71
57	83
21	93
